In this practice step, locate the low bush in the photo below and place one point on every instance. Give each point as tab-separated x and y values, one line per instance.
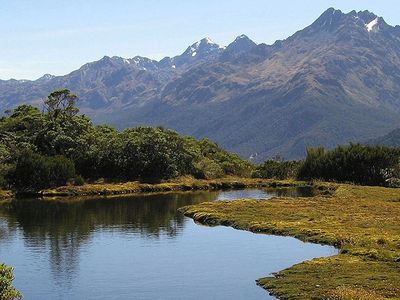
79	180
277	169
7	290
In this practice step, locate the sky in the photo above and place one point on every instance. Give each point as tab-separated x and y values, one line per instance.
58	36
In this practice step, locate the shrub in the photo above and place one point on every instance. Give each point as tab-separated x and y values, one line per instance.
354	163
392	175
60	169
34	172
4	170
7	291
208	169
78	180
277	169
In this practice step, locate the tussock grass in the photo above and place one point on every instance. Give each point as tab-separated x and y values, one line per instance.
364	222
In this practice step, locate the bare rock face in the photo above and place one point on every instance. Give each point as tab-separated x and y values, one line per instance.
335	81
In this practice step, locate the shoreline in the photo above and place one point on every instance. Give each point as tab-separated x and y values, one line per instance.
359	221
214	222
135	187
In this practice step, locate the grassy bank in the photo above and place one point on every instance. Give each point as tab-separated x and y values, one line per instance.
181	184
364	222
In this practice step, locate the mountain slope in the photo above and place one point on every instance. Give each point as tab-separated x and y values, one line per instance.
333	82
392	139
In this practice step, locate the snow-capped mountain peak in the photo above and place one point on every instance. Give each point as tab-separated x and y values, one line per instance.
46	77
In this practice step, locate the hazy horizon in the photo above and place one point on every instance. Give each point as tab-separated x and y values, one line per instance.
58	37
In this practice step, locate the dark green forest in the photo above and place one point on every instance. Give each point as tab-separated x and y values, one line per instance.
56	146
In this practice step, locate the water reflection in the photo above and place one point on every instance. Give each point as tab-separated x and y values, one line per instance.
303	191
266	194
148	215
69	222
62	227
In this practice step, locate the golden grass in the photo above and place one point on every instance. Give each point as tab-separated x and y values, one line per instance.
348	294
4	195
364	222
180	184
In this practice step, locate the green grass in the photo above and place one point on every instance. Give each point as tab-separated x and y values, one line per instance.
364	222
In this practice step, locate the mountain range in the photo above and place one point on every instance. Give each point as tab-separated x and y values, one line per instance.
335	81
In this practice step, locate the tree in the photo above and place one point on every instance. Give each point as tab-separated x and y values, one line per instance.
151	154
61	104
19	130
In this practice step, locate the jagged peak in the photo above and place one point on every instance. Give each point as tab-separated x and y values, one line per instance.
204	45
243	42
331	11
366	15
207	40
106	61
138	59
120	59
242	37
114	58
105	58
333	18
328	18
204	42
371	21
46	77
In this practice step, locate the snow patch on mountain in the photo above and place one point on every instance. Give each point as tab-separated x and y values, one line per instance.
372	25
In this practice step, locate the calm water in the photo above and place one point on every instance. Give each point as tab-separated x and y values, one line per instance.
140	248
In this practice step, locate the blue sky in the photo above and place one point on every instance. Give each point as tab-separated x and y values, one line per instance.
57	36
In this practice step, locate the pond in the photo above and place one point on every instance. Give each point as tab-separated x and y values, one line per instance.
140	247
